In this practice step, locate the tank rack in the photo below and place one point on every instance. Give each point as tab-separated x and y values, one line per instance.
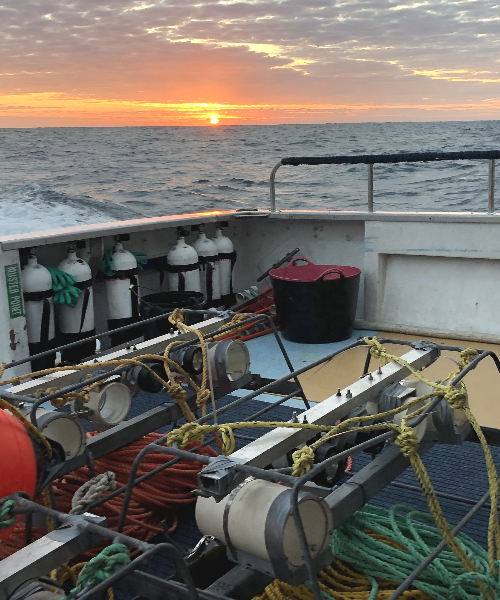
249	568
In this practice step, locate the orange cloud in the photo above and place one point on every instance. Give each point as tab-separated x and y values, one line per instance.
55	106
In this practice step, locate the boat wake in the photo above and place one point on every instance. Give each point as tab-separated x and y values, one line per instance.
36	207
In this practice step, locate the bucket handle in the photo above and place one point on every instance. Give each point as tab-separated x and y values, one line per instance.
295	258
333	271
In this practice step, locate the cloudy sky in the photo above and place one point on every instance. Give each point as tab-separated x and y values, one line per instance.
165	62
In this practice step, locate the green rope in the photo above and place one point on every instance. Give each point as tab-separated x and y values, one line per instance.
99	568
6	519
63	284
444	578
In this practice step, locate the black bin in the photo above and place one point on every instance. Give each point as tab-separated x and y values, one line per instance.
315	304
160	303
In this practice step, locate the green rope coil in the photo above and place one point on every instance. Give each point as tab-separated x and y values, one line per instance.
99	568
444	578
6	519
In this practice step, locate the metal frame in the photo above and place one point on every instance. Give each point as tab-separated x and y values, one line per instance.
343	500
370	160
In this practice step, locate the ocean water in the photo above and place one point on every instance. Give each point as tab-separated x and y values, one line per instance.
58	177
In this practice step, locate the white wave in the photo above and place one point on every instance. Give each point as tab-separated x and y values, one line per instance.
38	208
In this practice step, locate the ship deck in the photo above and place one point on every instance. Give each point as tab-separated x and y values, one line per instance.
458	473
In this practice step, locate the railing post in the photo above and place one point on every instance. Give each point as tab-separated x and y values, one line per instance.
272	193
370	187
491	186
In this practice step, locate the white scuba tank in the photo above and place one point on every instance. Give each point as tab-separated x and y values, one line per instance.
118	294
227	258
209	269
79	319
36	282
183	268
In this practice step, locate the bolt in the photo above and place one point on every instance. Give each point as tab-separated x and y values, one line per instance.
348	395
339	393
370	376
294	417
305	420
379	371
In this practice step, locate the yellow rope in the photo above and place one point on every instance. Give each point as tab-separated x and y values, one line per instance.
457	399
203	394
177	392
341	582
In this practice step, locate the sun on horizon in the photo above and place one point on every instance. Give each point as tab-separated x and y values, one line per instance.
214	119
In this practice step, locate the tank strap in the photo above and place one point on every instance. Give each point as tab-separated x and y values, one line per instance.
209	280
228	256
208	259
45	323
182	282
84	285
232	257
37	296
125	274
86	297
182	268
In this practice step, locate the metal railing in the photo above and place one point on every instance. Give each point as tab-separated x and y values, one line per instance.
370	160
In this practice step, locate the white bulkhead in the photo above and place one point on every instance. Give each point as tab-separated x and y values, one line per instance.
183	268
70	319
118	295
227	257
210	277
37	289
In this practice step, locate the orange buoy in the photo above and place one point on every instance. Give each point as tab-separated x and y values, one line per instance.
18	472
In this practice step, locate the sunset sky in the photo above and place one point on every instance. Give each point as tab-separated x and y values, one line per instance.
172	62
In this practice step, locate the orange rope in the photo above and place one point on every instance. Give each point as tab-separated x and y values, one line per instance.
154	500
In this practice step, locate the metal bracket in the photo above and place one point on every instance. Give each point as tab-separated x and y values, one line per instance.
219	478
37	559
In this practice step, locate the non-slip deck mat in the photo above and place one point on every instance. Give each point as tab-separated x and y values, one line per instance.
458	470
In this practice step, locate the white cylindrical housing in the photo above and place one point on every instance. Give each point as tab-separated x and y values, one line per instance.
109	404
210	276
118	294
70	318
225	249
256	519
62	428
36	282
183	279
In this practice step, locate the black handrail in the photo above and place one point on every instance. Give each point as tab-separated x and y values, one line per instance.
371	159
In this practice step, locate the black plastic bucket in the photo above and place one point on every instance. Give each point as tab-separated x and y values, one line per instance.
316	304
160	303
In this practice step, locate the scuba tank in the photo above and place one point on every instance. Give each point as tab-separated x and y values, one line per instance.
227	258
122	302
38	295
209	269
183	268
76	323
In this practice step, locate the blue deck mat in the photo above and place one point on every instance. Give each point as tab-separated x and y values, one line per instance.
458	470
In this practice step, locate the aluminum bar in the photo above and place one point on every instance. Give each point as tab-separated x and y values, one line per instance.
38	559
279	441
63	378
368	482
125	433
145	585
